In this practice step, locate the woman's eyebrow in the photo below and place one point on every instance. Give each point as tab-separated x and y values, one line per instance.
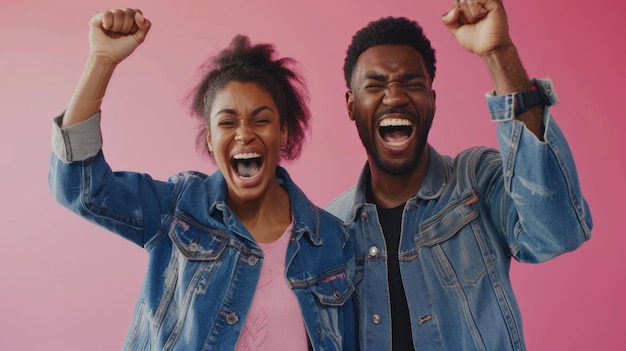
260	109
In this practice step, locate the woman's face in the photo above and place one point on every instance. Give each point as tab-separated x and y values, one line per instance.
245	137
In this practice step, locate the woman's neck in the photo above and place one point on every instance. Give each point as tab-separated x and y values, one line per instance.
267	217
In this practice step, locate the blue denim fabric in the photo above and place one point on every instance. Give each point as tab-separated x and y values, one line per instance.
471	215
203	264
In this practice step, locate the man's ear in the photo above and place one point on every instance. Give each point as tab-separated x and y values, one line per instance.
349	103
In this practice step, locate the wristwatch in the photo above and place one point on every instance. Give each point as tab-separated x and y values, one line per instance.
528	99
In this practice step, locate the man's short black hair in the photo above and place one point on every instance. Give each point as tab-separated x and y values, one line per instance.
389	31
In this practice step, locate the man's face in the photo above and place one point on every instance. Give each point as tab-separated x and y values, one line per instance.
393	105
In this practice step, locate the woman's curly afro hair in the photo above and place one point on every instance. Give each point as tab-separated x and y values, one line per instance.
242	61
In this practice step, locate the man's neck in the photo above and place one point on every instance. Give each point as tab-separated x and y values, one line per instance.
389	191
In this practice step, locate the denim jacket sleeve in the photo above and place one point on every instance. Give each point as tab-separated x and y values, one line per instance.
544	213
127	203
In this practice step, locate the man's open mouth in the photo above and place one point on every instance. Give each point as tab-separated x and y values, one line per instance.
248	164
395	131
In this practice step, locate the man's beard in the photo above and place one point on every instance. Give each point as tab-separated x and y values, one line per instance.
367	136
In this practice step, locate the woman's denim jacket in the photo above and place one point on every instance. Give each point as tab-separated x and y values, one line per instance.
203	264
471	215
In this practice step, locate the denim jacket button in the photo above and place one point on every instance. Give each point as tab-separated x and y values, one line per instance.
253	260
373	251
232	318
376	318
194	247
364	216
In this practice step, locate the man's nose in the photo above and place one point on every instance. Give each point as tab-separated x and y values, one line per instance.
395	95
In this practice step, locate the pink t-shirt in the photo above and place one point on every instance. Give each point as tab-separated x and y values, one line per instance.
275	321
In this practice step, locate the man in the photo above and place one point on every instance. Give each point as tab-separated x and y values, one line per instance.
441	231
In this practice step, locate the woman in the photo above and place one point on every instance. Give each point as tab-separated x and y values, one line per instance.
238	260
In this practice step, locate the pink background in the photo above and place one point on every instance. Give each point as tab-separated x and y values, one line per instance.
68	285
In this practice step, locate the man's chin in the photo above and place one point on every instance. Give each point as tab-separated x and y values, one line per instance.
396	168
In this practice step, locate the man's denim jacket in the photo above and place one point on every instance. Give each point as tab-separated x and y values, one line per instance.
459	232
203	264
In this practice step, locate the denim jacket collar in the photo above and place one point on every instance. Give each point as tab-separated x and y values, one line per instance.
436	178
303	210
434	183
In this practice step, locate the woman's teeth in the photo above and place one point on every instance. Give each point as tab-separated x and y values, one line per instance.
247	164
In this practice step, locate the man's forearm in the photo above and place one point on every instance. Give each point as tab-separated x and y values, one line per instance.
509	76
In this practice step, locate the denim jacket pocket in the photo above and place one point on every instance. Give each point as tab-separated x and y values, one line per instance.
195	242
456	243
333	288
189	283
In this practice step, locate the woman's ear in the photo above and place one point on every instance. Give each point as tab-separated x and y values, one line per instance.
284	135
208	139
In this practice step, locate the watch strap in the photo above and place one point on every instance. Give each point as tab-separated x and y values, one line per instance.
528	99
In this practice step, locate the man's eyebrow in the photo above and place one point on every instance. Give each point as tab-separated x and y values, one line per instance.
410	76
376	76
382	78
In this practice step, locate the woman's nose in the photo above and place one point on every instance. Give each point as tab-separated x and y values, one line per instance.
244	133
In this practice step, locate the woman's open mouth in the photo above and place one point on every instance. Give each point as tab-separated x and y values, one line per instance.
247	164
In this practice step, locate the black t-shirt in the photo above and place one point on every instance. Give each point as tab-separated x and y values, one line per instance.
391	223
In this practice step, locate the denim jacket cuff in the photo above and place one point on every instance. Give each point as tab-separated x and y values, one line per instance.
78	142
502	107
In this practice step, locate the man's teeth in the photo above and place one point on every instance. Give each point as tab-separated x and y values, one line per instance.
246	155
396	132
395	122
